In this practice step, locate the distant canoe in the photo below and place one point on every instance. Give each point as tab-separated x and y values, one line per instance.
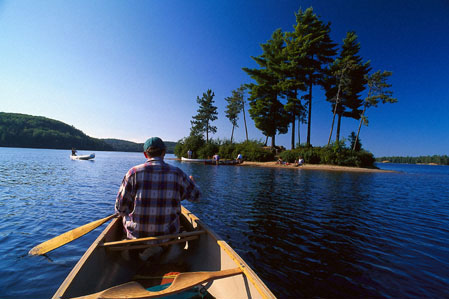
84	157
223	162
195	160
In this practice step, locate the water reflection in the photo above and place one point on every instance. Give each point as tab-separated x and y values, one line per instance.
306	233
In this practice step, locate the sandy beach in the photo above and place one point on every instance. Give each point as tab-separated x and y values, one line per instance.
313	166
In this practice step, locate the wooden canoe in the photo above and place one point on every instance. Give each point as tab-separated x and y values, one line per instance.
195	160
207	262
83	157
223	162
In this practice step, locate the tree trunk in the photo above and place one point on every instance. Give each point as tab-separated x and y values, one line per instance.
299	131
337	138
332	126
266	141
207	133
310	112
335	112
293	130
360	126
232	135
244	119
273	143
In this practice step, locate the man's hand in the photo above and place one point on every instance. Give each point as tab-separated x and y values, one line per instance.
191	177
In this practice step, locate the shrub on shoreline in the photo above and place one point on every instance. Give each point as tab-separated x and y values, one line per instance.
251	150
337	154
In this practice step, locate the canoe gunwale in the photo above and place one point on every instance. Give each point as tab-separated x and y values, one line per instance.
68	280
198	227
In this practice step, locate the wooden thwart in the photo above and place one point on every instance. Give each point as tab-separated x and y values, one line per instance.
182	282
140	240
128	247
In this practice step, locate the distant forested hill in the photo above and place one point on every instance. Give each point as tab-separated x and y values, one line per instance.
441	160
21	130
128	146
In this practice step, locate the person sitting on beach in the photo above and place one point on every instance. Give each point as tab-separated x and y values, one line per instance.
280	161
300	162
239	158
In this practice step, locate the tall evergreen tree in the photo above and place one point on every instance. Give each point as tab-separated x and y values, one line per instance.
377	92
207	113
353	84
319	52
234	107
266	109
339	78
292	70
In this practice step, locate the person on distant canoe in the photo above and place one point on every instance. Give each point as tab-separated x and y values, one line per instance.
216	158
149	198
73	151
189	154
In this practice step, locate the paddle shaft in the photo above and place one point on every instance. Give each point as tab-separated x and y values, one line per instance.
67	237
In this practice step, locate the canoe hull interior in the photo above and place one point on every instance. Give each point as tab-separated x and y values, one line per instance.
101	268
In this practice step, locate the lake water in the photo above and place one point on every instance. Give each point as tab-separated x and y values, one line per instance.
307	233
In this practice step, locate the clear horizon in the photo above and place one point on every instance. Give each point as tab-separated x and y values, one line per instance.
131	70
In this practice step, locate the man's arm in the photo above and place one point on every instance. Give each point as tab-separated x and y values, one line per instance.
124	203
192	192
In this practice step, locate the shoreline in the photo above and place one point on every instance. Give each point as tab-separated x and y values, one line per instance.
314	167
325	167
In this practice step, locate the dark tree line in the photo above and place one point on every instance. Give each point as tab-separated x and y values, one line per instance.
20	130
441	160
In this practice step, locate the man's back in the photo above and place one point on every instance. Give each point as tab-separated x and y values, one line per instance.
150	197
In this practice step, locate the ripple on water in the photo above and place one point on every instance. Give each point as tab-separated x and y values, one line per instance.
306	233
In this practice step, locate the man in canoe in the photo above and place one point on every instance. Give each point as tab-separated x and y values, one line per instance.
149	198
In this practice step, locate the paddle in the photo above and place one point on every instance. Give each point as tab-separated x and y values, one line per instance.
67	237
183	281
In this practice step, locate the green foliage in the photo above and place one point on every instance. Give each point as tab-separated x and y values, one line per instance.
253	151
234	107
21	130
437	159
208	150
250	150
193	143
266	109
207	113
353	139
228	150
337	154
345	80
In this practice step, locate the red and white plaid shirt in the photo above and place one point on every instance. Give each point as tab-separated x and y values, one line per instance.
150	196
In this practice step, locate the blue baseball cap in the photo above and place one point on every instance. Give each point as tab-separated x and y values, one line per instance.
154	142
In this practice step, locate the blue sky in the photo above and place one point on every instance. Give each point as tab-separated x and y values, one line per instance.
133	69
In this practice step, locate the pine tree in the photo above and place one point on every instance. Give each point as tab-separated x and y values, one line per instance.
353	82
293	78
207	113
377	91
266	109
234	107
319	51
